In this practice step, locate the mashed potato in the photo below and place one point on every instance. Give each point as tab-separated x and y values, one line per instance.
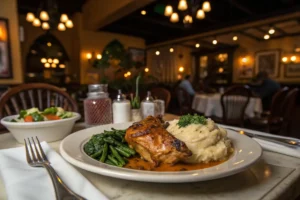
207	142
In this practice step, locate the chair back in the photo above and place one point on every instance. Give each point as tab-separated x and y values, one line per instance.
39	95
234	102
161	93
276	109
289	107
184	100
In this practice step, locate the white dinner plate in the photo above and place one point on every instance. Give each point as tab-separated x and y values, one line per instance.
246	152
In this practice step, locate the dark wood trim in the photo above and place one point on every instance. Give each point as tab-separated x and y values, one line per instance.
241	7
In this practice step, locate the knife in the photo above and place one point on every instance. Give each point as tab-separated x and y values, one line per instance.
294	143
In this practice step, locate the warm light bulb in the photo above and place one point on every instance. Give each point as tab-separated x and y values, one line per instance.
181	69
125	75
206	6
61	27
171	50
221	70
266	37
99	56
284	59
244	60
188	19
50	60
197	45
44	16
49	44
143	12
146	69
157	53
64	18
55	60
271	31
45	26
128	73
69	24
62	66
36	22
30	17
235	38
47	65
168	10
200	14
43	60
293	58
53	65
215	42
174	18
88	55
182	5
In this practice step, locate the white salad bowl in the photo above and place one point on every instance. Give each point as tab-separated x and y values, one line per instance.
48	131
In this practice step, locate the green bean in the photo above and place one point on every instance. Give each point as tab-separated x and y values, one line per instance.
122	152
117	155
127	149
104	154
113	160
110	163
111	140
97	154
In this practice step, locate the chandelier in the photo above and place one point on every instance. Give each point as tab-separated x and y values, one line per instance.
47	17
189	10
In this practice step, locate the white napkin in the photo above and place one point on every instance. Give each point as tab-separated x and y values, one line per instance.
271	146
33	183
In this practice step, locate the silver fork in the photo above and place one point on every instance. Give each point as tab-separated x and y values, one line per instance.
37	158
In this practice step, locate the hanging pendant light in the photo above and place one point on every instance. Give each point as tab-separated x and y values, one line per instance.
168	10
182	5
36	22
45	26
64	18
69	24
200	14
44	16
188	19
61	27
30	17
174	18
206	6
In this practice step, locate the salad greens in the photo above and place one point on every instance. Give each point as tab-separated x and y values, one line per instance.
188	119
109	147
35	115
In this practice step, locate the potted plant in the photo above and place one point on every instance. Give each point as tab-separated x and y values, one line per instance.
136	103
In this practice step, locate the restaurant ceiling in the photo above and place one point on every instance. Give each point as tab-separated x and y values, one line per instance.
154	27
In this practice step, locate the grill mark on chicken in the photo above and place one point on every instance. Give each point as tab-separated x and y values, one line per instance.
154	143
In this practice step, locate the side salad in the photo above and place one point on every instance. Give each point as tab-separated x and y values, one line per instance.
109	147
35	115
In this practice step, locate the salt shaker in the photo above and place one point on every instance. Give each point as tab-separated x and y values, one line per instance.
97	106
148	106
121	109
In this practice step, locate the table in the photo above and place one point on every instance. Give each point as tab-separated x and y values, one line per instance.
274	177
210	105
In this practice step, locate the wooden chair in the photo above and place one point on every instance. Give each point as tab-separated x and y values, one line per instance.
39	95
184	101
289	108
271	121
234	102
161	93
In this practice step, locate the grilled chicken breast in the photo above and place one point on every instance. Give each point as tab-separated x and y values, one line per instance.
154	143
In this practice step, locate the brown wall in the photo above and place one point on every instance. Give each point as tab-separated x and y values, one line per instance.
8	9
248	48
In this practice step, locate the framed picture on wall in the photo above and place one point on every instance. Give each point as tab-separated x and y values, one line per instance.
268	61
292	70
138	56
5	53
245	72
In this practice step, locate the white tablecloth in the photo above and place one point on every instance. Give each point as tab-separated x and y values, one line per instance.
210	105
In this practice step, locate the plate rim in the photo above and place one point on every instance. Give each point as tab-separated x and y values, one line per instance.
151	176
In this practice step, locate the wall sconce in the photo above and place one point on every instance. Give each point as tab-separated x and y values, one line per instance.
290	59
244	60
146	69
181	69
90	56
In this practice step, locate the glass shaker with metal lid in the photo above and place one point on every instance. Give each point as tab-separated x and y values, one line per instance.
121	109
97	105
148	106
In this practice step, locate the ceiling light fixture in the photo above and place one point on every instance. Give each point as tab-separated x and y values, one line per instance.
266	37
215	41
197	45
143	12
168	10
191	9
48	17
157	53
271	31
171	50
235	38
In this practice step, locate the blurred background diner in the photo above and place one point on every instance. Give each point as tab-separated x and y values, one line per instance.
236	61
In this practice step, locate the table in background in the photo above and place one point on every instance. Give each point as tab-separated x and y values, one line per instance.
274	177
210	105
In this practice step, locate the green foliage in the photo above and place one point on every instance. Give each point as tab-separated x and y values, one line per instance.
135	102
188	119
